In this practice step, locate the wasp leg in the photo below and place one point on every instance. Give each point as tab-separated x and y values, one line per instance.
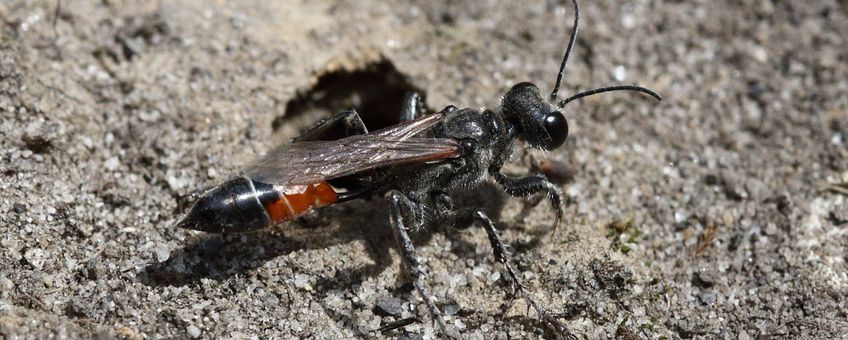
350	120
401	208
442	203
528	185
396	324
464	218
411	106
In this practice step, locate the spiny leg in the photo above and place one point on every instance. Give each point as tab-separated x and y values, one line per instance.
502	256
442	204
528	185
413	107
396	324
398	202
350	120
464	218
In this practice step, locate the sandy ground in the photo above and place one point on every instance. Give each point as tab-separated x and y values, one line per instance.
713	214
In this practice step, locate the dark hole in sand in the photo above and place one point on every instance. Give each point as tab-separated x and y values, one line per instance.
376	91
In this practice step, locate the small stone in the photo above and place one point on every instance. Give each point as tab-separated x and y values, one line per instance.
390	305
459	324
174	183
162	252
705	278
6	284
619	73
35	257
759	53
708	297
19	208
628	21
302	281
112	164
193	331
680	216
839	216
493	277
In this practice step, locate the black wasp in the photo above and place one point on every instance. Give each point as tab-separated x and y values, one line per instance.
416	165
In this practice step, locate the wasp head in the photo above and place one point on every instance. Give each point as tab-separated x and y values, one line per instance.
538	122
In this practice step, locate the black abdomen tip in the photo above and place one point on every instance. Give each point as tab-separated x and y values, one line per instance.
230	207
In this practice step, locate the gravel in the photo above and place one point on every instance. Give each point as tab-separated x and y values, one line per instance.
718	213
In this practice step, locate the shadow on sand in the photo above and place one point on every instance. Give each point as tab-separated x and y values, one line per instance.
220	256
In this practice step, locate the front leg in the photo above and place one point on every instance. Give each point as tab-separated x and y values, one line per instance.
401	210
528	185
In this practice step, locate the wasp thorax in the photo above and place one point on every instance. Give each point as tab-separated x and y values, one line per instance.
539	123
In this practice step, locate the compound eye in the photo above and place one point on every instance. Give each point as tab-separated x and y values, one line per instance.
557	128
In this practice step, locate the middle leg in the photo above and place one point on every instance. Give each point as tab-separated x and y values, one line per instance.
466	217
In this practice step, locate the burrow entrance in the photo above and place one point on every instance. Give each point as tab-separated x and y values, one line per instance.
376	91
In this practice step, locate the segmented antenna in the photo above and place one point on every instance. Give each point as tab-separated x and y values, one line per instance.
608	89
567	50
590	92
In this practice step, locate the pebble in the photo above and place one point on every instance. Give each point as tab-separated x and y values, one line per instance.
35	257
6	284
162	252
167	136
112	164
708	297
390	305
493	277
705	278
193	331
175	183
302	281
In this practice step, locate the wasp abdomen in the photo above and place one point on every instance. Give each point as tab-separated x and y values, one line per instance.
231	207
293	203
242	204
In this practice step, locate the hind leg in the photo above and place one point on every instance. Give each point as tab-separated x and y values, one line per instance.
411	107
401	211
349	120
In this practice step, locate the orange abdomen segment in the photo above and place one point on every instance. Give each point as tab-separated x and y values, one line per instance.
289	206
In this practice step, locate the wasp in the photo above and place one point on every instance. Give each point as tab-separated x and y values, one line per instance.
417	165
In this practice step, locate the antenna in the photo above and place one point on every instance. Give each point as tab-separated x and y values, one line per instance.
567	50
609	89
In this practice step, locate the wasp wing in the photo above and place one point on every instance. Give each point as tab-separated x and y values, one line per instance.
412	127
308	162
